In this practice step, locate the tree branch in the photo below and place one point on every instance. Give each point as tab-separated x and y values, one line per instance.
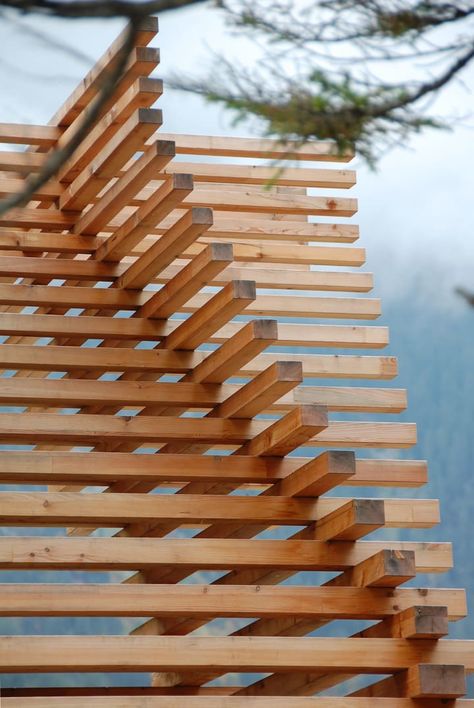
96	8
56	159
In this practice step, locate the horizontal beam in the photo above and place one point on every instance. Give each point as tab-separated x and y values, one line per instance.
108	467
55	358
331	515
203	601
113	299
90	270
240	199
21	134
96	654
203	698
269	203
256	147
29	553
243	229
141	329
49	427
263	175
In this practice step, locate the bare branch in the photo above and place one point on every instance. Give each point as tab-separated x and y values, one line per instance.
96	8
59	157
466	294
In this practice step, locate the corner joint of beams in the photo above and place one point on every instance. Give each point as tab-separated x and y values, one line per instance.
434	681
319	475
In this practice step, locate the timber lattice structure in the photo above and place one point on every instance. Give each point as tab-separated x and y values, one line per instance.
198	257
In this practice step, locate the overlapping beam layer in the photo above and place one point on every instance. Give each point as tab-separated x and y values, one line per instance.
168	295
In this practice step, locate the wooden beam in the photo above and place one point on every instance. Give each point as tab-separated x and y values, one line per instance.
255	147
202	601
353	520
333	521
96	654
98	697
319	475
88	87
424	681
288	433
122	146
200	271
258	394
91	327
295	429
234	353
270	203
216	313
23	553
386	568
419	622
108	467
43	136
64	358
179	290
143	93
155	157
186	230
263	175
19	267
151	212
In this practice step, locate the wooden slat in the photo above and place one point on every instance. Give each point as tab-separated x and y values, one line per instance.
117	196
197	276
186	230
202	324
256	174
242	229
194	698
270	203
189	281
218	554
89	86
143	93
338	519
105	468
17	267
201	601
36	358
141	329
126	141
254	147
136	227
38	654
422	681
41	427
21	134
288	433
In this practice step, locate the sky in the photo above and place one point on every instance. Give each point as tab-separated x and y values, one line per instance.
416	211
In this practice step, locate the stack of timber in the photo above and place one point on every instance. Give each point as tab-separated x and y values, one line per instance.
150	294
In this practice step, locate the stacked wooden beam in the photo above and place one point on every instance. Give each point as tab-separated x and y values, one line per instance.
138	298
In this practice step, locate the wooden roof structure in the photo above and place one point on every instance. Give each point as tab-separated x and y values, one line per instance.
148	295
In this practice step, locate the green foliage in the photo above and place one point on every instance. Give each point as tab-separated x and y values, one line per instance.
323	73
